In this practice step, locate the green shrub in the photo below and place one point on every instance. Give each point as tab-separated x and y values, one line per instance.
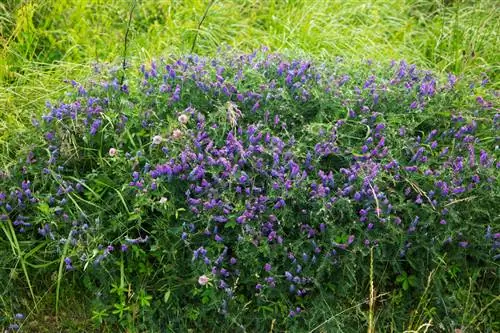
256	192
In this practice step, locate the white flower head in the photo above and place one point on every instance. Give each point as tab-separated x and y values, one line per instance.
176	134
183	119
112	152
157	139
203	280
163	200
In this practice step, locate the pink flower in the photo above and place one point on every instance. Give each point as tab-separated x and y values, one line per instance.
183	119
157	139
112	152
203	280
176	134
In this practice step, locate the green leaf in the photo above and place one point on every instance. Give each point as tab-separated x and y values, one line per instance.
166	297
44	208
231	224
412	280
405	285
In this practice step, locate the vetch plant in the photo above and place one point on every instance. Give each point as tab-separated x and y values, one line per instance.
258	184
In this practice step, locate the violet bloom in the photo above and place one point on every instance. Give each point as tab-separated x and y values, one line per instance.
67	262
95	126
483	158
279	204
177	94
419	199
243	178
452	80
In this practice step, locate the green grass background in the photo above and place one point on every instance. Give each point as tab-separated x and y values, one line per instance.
44	41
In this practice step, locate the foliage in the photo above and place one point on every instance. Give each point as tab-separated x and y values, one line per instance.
43	42
245	191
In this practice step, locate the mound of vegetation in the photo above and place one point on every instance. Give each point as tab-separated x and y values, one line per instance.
257	192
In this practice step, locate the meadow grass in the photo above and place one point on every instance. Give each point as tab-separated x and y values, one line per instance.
45	42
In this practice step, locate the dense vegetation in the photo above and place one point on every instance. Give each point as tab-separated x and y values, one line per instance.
319	188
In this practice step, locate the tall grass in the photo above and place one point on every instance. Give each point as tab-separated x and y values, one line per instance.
42	41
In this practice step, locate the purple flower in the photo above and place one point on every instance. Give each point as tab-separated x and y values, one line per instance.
67	262
428	88
95	126
279	204
13	327
419	199
483	158
267	267
452	80
256	107
243	178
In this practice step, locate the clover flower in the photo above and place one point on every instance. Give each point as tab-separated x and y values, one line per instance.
183	119
203	280
157	139
176	134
